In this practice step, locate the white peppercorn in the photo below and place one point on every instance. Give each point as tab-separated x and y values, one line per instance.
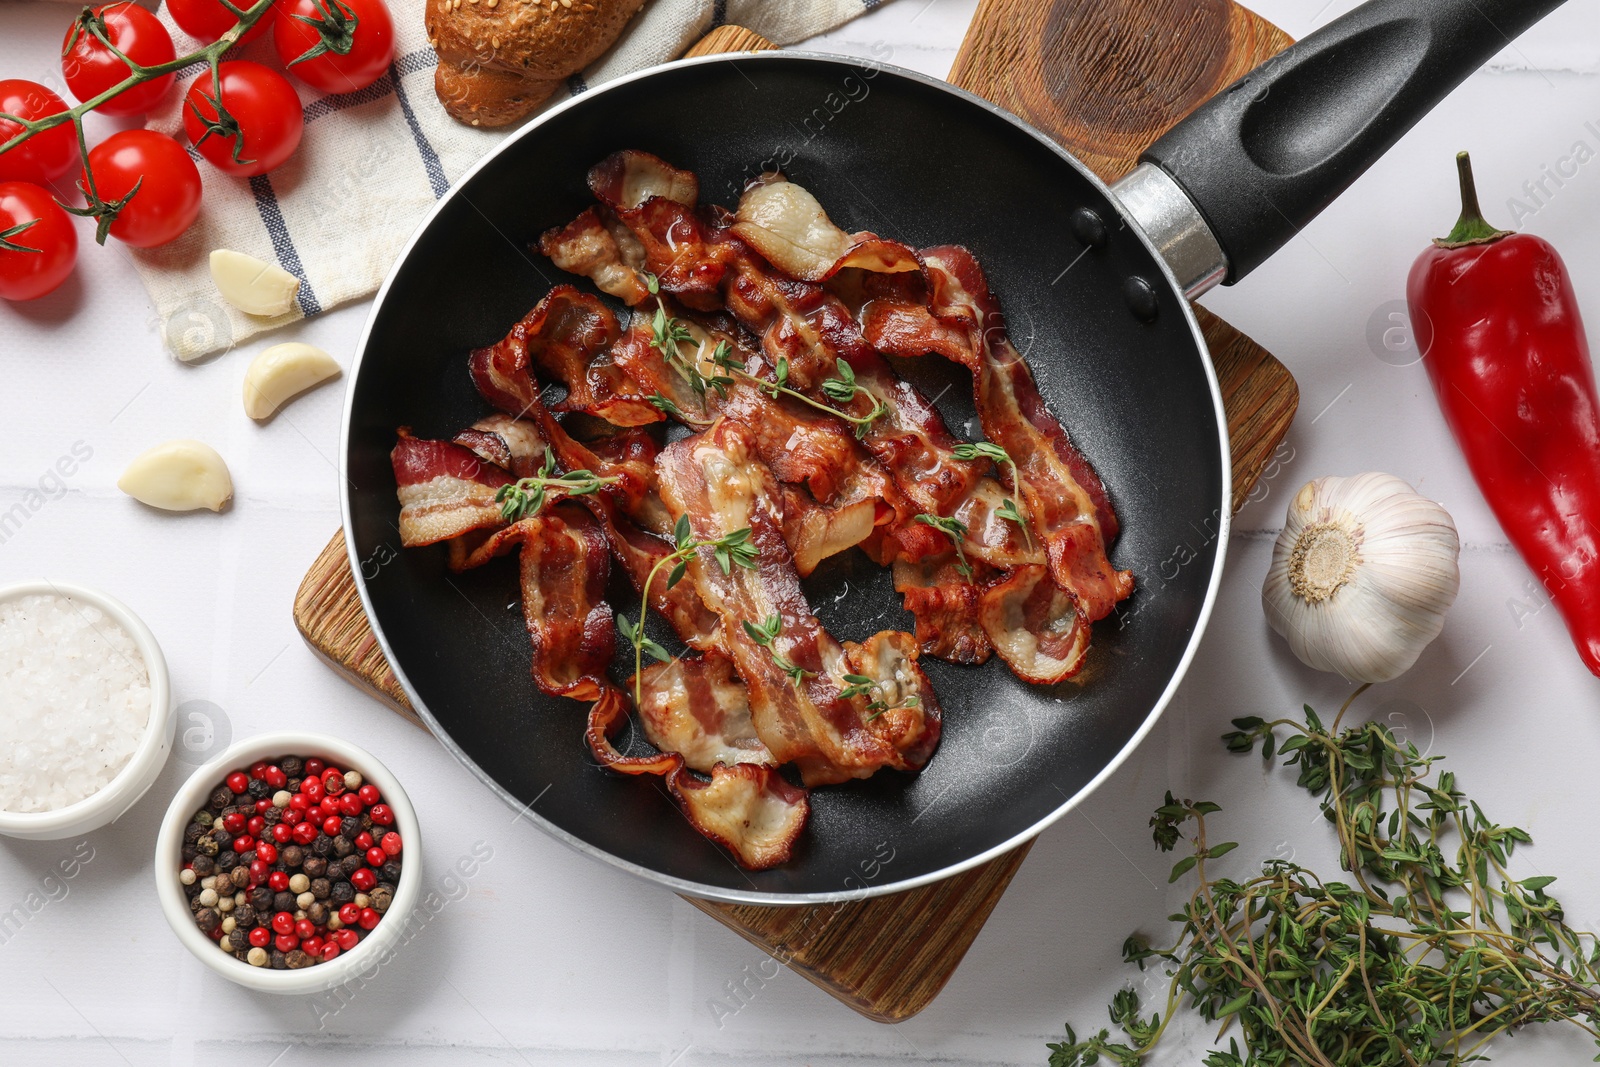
186	876
225	904
257	957
208	897
281	798
305	900
299	883
353	780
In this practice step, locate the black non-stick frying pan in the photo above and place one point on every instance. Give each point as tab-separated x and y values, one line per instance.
1093	281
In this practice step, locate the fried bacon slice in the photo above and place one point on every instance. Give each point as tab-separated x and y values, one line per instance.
445	490
1066	502
564	566
718	482
597	246
1035	625
513	444
945	605
747	808
697	707
787	225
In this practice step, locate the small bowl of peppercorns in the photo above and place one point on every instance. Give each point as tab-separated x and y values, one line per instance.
289	863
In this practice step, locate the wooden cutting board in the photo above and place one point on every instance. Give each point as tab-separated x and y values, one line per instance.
1104	77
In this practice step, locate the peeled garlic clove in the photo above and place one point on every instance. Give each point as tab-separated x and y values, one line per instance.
282	371
180	475
1362	575
253	286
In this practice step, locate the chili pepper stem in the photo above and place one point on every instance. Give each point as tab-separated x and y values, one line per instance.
1471	229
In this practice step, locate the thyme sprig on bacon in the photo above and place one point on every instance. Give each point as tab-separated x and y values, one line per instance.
525	497
954	529
991	451
862	686
766	635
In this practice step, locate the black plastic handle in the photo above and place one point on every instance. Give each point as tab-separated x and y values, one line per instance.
1268	154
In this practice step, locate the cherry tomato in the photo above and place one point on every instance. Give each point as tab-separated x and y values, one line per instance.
168	200
31	219
46	156
263	109
208	20
91	68
353	39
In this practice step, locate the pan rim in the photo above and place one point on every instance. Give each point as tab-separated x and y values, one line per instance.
723	894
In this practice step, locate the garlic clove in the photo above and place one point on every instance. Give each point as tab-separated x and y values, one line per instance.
180	475
280	373
252	285
1362	575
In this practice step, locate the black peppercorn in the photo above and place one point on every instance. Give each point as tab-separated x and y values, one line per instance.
204	866
273	815
259	790
382	897
192	891
261	899
323	845
350	827
240	877
318	914
366	823
343	893
314	866
192	833
283	902
204	818
207	919
188	852
390	872
291	766
227	860
240	939
320	888
298	959
292	856
242	955
343	846
220	799
280	960
207	846
245	915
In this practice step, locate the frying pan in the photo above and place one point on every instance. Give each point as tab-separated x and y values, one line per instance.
1095	282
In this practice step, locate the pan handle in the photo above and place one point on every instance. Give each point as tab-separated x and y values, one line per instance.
1265	156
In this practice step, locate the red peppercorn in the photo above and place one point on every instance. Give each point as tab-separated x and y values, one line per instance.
347	938
290	817
382	815
263	805
330	950
275	777
368	919
259	869
369	793
261	937
305	833
391	843
377	856
349	914
333	781
216	934
329	806
363	841
304	928
256	824
299	802
350	804
286	942
282	833
363	879
283	922
315	767
258	769
330	826
233	822
243	843
267	852
312	946
312	787
238	782
278	882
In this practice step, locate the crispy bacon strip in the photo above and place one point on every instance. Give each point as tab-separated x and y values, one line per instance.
1066	502
445	490
945	605
746	808
1035	625
564	567
514	444
784	223
697	707
597	246
716	479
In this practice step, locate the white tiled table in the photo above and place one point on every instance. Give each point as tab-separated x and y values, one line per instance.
545	957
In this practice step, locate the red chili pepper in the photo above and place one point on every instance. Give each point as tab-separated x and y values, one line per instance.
1497	321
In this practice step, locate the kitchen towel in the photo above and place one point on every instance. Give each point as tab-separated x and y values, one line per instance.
373	162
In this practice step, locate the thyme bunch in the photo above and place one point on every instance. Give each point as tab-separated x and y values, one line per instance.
105	212
526	496
1421	954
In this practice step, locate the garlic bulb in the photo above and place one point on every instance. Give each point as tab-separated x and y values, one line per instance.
1362	575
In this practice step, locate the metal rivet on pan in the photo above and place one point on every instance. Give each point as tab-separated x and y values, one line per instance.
1142	300
1089	227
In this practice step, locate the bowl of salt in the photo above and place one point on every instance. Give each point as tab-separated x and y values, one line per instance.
86	716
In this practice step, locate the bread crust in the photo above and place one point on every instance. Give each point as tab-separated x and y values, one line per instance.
501	59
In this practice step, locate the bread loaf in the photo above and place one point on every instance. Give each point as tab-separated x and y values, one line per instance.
501	59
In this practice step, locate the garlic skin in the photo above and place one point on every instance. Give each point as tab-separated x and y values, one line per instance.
181	475
1362	575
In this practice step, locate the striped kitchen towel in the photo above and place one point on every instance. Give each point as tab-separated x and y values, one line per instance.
372	162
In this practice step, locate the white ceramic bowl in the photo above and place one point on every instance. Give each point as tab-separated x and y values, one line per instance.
143	767
379	943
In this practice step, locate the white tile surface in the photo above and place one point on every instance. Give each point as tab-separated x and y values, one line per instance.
549	958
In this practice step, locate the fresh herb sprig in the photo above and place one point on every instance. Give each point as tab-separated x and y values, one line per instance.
668	335
731	550
525	497
1425	954
1010	510
862	686
954	529
766	635
90	22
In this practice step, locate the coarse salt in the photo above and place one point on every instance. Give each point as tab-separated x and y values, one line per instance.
74	701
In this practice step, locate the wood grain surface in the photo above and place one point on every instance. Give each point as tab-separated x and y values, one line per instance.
1112	77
